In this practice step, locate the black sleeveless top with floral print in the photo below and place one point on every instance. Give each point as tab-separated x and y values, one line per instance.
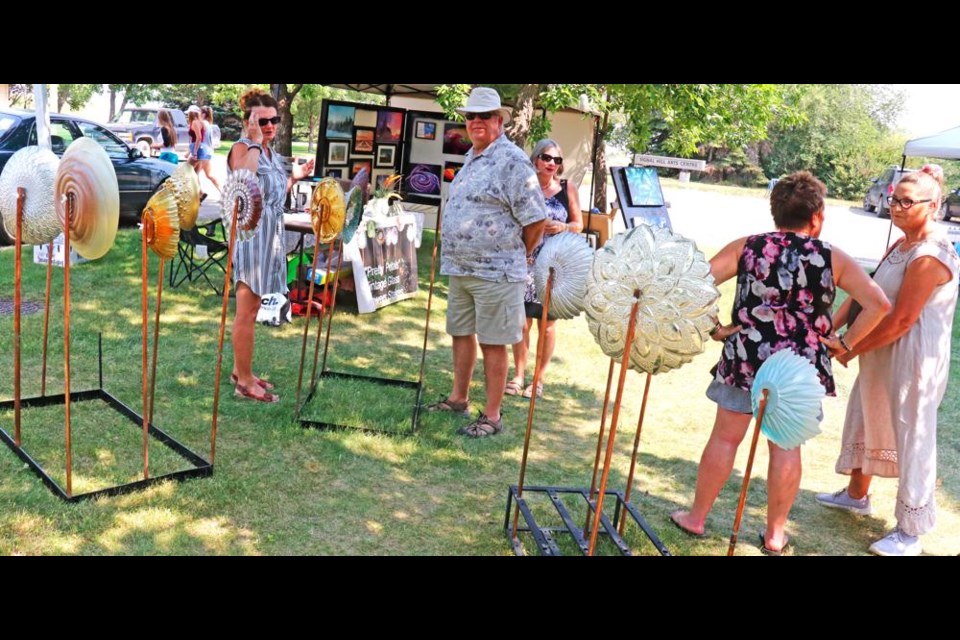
785	294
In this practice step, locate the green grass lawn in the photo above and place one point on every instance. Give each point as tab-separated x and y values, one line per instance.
280	489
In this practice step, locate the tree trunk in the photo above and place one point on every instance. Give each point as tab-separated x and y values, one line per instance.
600	170
113	105
61	99
285	95
519	128
310	123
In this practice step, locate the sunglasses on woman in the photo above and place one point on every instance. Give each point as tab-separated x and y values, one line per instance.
546	157
482	116
275	120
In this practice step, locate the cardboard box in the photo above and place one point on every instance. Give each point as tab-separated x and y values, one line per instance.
40	253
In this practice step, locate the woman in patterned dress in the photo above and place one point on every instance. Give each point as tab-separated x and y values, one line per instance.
786	283
260	262
891	424
563	214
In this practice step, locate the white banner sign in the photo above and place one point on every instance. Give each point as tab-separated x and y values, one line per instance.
671	163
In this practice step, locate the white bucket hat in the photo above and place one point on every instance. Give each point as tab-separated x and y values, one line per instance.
193	109
484	100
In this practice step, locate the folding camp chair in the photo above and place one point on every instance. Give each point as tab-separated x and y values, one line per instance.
200	250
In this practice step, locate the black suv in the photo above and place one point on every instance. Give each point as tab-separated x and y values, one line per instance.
876	197
951	205
137	177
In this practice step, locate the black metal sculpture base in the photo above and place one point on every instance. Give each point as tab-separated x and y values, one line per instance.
201	468
307	423
545	536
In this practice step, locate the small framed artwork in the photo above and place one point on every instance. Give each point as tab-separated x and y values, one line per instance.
389	126
455	140
386	155
365	118
424	179
340	121
425	130
381	179
363	139
357	165
450	170
333	173
337	152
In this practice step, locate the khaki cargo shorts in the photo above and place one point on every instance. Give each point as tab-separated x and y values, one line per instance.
491	310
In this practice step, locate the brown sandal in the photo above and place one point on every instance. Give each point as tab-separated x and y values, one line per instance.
263	384
244	393
447	405
482	427
528	392
513	388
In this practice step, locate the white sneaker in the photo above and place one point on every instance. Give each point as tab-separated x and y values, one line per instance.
842	500
897	543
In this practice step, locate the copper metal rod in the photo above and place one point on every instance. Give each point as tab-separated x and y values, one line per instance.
306	326
624	365
325	311
333	308
223	329
636	448
433	271
46	319
66	340
17	287
144	330
156	342
541	337
603	424
746	474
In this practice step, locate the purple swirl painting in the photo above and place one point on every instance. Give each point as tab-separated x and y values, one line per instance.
424	179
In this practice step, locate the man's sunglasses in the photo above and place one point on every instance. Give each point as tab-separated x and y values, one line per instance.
482	116
546	157
275	120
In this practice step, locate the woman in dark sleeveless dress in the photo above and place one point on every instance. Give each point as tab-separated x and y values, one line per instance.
786	283
563	214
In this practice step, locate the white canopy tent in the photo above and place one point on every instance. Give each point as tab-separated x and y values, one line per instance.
945	144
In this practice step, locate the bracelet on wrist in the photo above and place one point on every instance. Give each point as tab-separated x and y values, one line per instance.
256	146
843	343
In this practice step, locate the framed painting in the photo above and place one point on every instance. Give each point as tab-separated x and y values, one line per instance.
337	152
340	121
425	130
386	155
424	179
455	140
363	140
333	173
357	165
389	127
450	170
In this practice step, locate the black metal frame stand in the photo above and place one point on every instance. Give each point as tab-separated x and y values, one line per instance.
545	536
201	468
417	385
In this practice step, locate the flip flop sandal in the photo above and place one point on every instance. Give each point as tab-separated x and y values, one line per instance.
528	392
263	384
446	405
244	393
767	551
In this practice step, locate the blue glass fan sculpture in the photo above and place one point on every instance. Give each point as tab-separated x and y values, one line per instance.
793	403
354	213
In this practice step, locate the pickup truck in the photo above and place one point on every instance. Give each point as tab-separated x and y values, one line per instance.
137	126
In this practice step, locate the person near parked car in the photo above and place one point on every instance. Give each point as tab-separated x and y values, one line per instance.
563	214
201	151
891	424
212	131
260	262
786	284
168	138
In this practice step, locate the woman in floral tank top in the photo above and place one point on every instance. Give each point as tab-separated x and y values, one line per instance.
786	283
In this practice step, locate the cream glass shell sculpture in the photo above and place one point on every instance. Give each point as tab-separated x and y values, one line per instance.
242	185
186	189
86	177
677	298
35	170
571	258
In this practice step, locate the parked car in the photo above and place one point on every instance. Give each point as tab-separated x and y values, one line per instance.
137	177
876	197
138	127
951	205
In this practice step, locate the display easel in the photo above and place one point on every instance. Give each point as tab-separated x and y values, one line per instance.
325	373
585	538
200	466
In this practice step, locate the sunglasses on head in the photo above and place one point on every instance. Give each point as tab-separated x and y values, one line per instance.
482	116
275	120
546	157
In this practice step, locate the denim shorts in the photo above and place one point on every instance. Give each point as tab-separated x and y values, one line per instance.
730	398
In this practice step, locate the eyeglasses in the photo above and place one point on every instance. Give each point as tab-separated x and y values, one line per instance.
275	120
906	203
546	157
482	116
